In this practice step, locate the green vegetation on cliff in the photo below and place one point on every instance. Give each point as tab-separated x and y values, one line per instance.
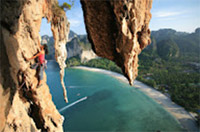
103	64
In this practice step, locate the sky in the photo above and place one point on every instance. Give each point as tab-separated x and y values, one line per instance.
181	15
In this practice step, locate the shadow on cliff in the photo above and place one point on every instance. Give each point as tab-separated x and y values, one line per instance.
9	26
8	84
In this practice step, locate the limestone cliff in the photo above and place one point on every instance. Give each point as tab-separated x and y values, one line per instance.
87	55
80	47
77	46
24	107
118	30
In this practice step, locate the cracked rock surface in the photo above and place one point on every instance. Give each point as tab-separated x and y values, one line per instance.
23	107
119	31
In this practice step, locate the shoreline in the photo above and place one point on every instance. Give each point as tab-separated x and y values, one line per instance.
181	115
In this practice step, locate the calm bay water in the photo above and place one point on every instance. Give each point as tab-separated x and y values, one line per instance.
111	105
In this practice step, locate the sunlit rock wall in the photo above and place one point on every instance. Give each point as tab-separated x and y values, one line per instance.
23	107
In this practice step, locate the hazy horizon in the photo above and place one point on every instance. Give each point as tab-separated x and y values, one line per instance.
151	31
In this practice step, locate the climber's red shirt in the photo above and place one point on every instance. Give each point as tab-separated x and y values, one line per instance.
41	58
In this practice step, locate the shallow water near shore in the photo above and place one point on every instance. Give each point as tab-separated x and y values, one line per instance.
102	103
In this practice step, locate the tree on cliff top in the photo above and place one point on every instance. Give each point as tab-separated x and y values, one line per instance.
60	9
65	6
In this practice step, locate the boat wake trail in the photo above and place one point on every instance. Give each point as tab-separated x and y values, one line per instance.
70	105
78	86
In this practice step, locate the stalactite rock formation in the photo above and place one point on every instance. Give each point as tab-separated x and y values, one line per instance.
24	107
60	29
119	31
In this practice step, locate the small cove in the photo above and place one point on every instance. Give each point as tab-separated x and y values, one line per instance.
111	105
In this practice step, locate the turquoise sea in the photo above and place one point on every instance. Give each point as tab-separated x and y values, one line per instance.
106	104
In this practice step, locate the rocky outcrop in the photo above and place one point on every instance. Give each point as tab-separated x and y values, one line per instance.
71	35
80	47
119	31
87	55
60	29
77	46
74	48
24	107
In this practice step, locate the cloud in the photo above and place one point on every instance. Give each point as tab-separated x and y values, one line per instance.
75	22
162	14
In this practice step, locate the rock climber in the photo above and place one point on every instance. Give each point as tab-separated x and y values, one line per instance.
41	64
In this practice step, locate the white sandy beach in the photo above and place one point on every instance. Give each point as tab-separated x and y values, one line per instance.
184	117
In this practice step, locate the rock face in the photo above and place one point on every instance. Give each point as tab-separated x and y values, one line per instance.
60	29
80	47
71	35
77	46
74	48
119	31
87	55
24	107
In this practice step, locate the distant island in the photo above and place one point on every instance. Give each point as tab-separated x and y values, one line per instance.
170	64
